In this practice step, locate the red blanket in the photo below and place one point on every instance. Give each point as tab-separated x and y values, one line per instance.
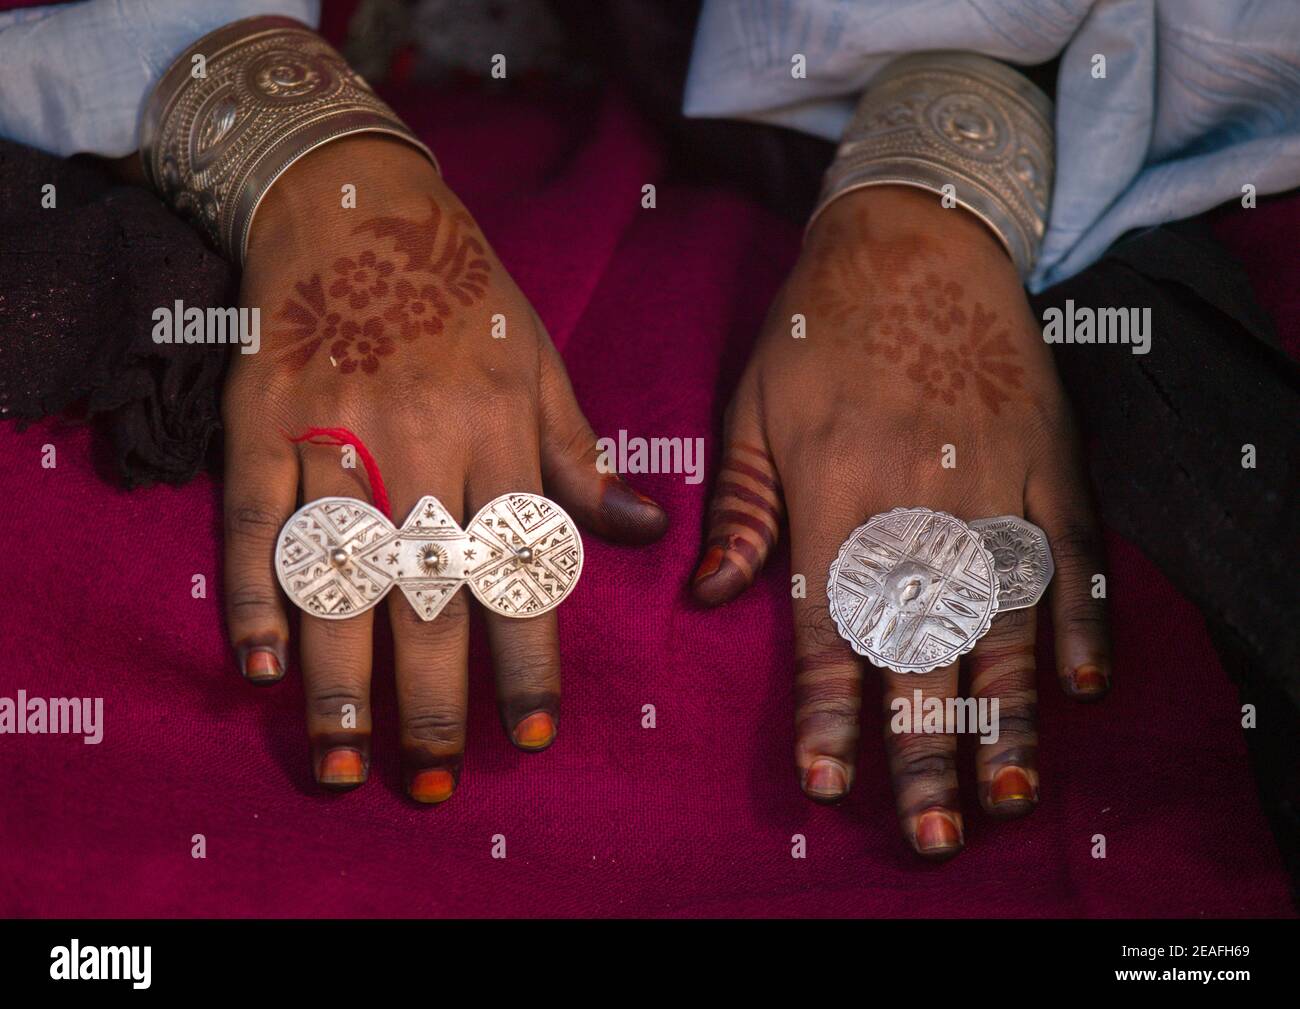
654	311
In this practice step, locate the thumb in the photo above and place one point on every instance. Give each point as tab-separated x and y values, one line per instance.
602	502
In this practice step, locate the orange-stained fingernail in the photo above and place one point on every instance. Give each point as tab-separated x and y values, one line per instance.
1089	680
825	779
1011	784
435	784
937	832
262	666
342	766
535	731
709	566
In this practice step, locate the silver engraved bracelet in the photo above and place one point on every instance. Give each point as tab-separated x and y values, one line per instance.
240	106
955	119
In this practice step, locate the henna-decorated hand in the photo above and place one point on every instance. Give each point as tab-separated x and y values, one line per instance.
382	319
918	336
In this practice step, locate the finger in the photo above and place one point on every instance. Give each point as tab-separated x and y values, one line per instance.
828	675
525	652
745	516
1058	500
431	657
261	486
578	475
336	654
923	765
1002	673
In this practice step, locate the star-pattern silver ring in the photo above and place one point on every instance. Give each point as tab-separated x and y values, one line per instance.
337	557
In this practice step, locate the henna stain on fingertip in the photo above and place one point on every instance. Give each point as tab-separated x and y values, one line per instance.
431	786
261	660
628	515
938	833
341	768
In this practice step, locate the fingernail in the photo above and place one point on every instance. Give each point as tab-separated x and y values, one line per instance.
709	566
261	666
536	731
826	779
1011	784
434	784
1090	680
342	767
937	833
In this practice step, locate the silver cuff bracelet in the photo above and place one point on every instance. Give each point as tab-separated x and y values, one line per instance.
956	119
240	106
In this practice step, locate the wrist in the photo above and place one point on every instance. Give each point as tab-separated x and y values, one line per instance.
309	201
876	218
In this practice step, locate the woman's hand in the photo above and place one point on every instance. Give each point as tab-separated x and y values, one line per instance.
387	319
918	336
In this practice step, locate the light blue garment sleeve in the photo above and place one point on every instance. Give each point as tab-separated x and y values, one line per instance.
74	77
1200	99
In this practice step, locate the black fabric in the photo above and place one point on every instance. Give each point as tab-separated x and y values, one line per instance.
1167	431
78	288
1169	428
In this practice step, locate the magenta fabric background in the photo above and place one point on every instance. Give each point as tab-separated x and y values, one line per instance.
653	311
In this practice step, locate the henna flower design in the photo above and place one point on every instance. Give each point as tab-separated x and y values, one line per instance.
934	304
309	320
446	263
361	279
361	347
417	310
896	335
983	359
459	269
855	266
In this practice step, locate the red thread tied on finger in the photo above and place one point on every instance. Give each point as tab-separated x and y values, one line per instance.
342	436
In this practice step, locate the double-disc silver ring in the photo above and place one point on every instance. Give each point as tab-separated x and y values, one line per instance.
337	557
914	589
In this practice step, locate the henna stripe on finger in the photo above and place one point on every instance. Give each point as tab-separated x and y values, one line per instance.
755	474
730	489
745	521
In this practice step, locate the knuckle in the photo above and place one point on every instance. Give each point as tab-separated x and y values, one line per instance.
1011	625
1082	613
326	698
1076	544
924	760
832	702
814	628
578	442
250	599
249	390
524	668
253	520
435	726
1017	719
